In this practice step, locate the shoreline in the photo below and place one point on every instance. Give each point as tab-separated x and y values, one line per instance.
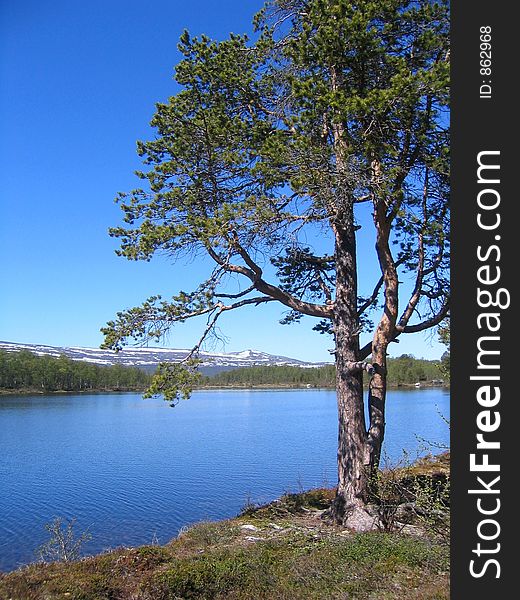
39	392
315	387
260	386
300	549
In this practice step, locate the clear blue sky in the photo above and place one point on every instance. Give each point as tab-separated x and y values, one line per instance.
79	82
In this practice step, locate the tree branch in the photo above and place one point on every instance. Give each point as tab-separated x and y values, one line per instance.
417	291
441	314
219	309
431	322
276	293
238	294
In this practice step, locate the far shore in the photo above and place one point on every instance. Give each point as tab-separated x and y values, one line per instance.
308	386
236	386
40	392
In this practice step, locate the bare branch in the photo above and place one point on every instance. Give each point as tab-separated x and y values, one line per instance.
417	291
307	308
355	367
209	326
324	288
227	266
441	314
365	198
372	298
217	311
238	294
377	289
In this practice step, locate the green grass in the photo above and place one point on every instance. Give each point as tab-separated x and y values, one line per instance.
293	566
214	561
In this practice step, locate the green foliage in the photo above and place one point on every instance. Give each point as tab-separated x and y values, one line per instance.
432	505
208	135
404	370
443	332
415	493
290	503
27	371
174	381
298	565
319	499
206	534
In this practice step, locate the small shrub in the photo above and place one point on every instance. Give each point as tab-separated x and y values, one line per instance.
418	493
63	545
432	501
318	499
153	555
249	508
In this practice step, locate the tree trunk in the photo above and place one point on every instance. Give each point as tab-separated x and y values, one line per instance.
376	405
382	335
348	508
352	495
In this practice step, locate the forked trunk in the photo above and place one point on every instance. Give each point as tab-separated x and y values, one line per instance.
349	506
359	450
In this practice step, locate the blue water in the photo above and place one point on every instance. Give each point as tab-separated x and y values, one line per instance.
134	470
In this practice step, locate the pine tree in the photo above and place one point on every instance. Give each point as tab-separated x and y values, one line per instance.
338	104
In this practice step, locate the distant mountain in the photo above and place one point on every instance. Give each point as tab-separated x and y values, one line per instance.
149	358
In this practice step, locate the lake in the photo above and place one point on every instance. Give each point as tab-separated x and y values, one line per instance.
135	471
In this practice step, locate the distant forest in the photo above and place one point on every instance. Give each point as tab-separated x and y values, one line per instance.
27	371
404	370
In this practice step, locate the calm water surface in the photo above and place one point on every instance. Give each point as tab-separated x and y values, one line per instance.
134	470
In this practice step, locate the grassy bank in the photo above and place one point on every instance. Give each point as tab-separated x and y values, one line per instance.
285	551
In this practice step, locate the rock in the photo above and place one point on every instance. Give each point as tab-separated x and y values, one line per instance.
249	527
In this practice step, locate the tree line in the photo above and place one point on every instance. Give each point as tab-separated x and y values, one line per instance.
403	370
406	369
275	375
27	371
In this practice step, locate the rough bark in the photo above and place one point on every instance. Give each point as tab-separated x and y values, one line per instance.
376	406
349	504
383	335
